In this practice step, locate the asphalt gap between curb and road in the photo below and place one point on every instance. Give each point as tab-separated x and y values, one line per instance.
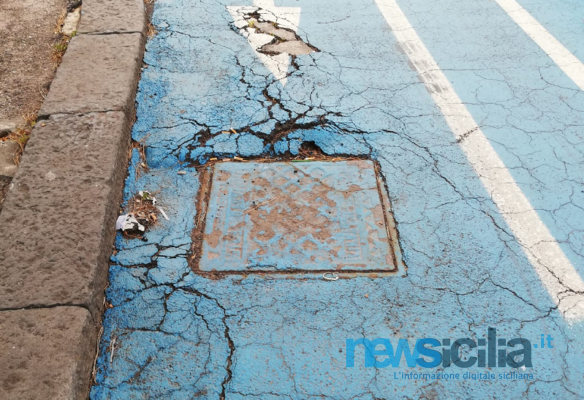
57	224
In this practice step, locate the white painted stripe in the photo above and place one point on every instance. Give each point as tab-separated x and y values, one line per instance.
553	48
557	274
286	17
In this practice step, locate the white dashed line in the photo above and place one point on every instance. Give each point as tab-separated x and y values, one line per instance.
557	274
553	48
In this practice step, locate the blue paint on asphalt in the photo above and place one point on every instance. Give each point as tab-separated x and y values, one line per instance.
563	19
531	112
174	334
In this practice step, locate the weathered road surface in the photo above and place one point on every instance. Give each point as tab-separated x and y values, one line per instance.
474	112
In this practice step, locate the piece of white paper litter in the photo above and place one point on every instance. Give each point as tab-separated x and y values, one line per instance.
128	222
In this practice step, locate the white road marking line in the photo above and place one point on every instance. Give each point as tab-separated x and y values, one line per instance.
557	274
285	17
553	48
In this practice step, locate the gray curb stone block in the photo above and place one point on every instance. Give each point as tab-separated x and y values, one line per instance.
46	353
112	16
58	219
98	73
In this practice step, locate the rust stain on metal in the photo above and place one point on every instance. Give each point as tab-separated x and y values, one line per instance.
295	218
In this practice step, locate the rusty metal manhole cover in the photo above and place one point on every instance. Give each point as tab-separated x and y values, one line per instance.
295	217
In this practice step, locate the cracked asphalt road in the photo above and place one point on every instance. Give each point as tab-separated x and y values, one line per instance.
378	87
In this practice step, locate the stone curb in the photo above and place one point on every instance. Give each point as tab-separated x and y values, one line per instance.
97	74
112	16
47	353
58	220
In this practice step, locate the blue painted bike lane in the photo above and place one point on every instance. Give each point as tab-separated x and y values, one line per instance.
172	333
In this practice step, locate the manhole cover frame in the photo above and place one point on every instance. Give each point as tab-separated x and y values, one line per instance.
203	197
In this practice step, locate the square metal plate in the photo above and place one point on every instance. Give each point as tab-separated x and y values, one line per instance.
296	217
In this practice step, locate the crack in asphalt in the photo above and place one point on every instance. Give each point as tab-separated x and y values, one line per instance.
143	294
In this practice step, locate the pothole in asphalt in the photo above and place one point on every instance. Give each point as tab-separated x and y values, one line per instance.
268	33
295	217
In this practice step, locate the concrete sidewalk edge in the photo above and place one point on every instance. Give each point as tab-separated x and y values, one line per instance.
58	221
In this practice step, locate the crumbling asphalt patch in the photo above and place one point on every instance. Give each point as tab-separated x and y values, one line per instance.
264	32
280	123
